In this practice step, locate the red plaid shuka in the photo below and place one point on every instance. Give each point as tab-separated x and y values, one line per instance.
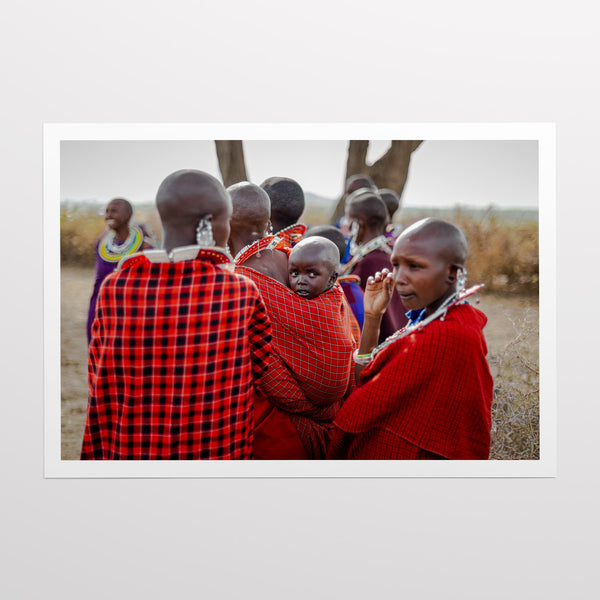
428	395
175	352
311	367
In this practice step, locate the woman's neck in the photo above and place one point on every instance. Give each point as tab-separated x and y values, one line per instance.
370	234
237	242
122	233
429	310
176	240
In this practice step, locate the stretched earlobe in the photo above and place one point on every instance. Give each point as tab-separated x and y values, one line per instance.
452	273
204	233
461	279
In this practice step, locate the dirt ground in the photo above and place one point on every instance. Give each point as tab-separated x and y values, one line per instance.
76	288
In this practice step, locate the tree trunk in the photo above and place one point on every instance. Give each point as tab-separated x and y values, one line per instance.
357	157
231	161
390	171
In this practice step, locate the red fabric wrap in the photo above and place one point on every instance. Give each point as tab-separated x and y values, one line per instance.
428	395
311	367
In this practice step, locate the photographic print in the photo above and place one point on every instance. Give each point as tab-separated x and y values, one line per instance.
104	203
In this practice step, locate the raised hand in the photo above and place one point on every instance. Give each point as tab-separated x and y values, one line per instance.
378	293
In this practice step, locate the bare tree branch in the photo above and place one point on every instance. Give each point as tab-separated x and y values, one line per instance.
390	171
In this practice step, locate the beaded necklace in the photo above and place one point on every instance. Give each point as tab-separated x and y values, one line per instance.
381	242
292	233
267	243
459	297
110	251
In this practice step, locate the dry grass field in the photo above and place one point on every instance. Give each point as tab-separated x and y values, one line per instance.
512	335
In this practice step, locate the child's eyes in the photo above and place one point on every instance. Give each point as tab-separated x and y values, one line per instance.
293	273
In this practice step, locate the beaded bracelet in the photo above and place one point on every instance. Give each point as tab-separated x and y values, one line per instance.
361	359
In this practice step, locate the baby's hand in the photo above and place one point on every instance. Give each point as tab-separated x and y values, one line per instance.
378	293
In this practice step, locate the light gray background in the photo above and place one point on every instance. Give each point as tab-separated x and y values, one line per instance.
443	173
463	61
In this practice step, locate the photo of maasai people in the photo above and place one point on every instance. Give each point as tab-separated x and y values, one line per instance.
299	300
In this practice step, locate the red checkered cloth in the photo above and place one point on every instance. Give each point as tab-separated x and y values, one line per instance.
428	395
311	368
175	352
292	234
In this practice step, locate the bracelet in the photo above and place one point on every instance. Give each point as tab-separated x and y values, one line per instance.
361	359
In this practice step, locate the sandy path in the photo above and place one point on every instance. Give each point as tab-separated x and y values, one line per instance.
76	289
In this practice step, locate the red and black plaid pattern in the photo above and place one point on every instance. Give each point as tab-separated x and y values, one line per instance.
175	352
311	367
430	391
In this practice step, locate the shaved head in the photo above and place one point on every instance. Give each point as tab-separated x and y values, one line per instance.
251	214
251	208
391	200
442	237
355	182
366	205
187	196
326	251
125	203
331	233
287	201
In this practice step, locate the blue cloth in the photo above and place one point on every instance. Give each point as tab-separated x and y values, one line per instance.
416	315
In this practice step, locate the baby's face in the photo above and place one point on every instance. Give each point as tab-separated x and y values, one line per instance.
309	274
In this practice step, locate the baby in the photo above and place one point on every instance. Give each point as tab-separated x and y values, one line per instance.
313	266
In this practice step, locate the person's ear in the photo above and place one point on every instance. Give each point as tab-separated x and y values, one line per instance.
452	273
333	278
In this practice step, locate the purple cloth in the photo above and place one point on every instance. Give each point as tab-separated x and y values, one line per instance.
103	269
354	295
394	317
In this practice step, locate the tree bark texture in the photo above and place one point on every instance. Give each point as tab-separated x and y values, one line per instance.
230	154
390	171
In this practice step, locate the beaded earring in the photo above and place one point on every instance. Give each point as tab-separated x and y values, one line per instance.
461	280
353	235
204	233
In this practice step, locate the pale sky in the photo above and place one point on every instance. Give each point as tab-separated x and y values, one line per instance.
442	173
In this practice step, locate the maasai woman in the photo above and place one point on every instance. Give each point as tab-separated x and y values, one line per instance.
426	391
119	240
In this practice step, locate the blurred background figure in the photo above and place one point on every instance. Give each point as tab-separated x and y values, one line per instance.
119	239
393	203
371	250
353	183
287	206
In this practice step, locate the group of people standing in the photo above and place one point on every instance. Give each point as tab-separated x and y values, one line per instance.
249	336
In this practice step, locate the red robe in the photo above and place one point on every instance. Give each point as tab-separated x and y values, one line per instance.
428	395
175	353
310	370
